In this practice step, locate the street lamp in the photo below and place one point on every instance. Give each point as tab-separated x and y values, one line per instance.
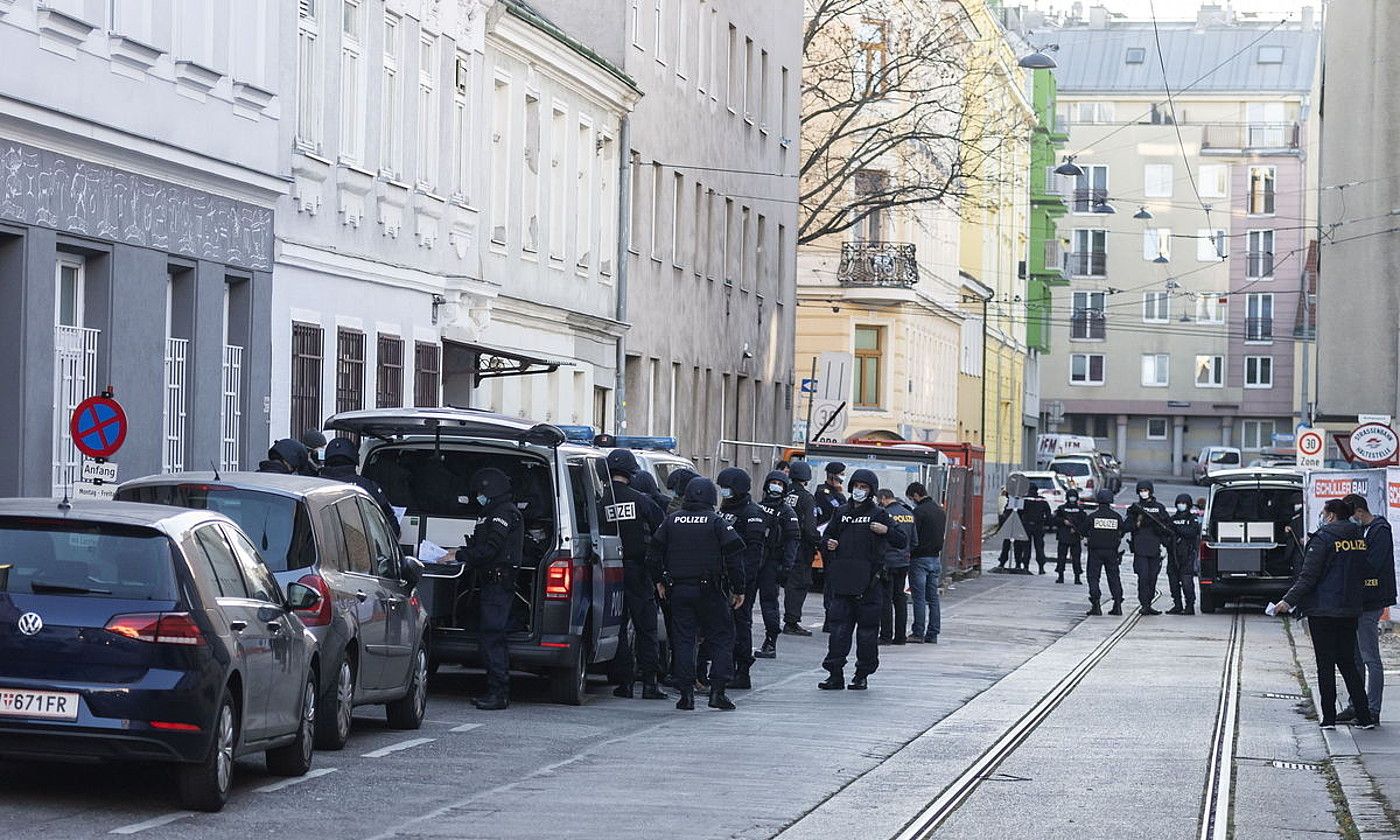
1069	167
1038	60
1142	213
1103	207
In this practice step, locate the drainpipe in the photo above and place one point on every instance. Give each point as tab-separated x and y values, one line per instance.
624	235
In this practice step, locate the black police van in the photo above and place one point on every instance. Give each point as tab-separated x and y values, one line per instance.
568	590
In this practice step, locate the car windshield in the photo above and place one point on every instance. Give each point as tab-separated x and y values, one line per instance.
1042	483
1074	468
1224	457
276	524
85	559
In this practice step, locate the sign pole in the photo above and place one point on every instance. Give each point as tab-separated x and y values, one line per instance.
811	398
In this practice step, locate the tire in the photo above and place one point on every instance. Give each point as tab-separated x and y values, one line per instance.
408	711
1209	602
338	706
205	786
568	685
295	758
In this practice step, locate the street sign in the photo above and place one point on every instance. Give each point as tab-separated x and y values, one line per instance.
98	427
824	410
833	377
105	472
94	492
1374	443
1311	443
809	386
1363	419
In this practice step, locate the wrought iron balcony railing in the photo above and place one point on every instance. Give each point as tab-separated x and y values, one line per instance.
878	264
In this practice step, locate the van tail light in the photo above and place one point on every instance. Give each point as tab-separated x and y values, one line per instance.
559	579
1206	555
157	628
172	726
321	615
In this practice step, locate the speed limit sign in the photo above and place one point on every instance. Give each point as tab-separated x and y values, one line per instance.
1310	445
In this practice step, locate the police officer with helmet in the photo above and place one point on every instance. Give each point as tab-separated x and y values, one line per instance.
750	521
1103	530
1182	557
342	457
492	552
779	556
694	558
1069	524
799	580
1151	530
635	516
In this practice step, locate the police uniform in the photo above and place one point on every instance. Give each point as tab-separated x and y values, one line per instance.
779	555
493	552
853	579
636	517
1181	560
1035	518
1148	523
1103	531
1069	526
828	499
894	609
695	554
749	520
799	580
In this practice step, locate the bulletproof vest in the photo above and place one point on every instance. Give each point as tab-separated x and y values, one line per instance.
693	543
773	510
502	515
625	513
1152	515
1105	530
751	522
1075	514
859	551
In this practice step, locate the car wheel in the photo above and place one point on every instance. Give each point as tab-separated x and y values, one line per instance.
569	685
338	703
1209	602
408	711
295	758
205	786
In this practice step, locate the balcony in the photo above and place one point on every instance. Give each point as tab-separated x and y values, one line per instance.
1087	263
1259	329
883	264
1222	138
1087	325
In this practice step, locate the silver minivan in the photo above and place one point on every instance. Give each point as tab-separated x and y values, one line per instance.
1213	459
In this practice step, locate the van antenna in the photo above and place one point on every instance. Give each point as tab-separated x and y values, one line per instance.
215	467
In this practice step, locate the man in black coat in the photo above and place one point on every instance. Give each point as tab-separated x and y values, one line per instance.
636	517
342	457
1182	556
926	564
1036	519
493	553
1377	593
1103	531
1148	523
856	539
1069	527
894	612
739	510
287	457
779	556
799	580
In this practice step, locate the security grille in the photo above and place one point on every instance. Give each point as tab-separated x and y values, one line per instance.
173	420
231	412
306	378
389	372
427	374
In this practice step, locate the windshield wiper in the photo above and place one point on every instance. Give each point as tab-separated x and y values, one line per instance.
40	588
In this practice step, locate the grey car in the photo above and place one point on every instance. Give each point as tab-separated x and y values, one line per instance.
332	537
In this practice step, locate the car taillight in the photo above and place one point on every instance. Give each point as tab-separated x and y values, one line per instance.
173	726
559	579
321	615
157	628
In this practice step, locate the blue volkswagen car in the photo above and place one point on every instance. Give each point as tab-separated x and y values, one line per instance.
149	633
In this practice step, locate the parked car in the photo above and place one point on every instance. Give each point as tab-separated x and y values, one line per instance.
1245	551
1050	485
142	633
332	537
1213	459
568	590
1080	471
1112	470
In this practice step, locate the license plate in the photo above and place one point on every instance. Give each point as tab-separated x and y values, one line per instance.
48	705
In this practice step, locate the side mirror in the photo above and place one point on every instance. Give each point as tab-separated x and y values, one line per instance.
411	571
302	598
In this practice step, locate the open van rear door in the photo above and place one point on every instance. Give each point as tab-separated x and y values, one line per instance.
391	423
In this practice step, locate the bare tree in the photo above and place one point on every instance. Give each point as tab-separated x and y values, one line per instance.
893	111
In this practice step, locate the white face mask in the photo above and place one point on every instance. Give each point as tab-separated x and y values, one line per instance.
725	492
860	494
482	499
1182	506
777	489
1144	494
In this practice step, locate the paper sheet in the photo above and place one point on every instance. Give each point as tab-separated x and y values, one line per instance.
431	552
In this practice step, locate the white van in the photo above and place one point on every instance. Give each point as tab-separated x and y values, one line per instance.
1213	459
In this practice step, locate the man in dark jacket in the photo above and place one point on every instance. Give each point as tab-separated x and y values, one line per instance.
1148	523
492	553
925	563
828	496
1069	527
287	457
1036	519
1377	593
1181	556
1103	531
645	483
894	612
693	556
800	578
636	517
342	457
856	540
748	519
1329	592
779	555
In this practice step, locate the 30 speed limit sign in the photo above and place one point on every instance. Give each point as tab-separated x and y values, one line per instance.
1310	446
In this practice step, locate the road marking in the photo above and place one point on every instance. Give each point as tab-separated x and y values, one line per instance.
155	822
393	748
1215	809
466	727
286	783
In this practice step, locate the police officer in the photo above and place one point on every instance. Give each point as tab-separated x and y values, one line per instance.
1148	522
1181	557
779	556
635	516
1069	525
342	457
1036	519
315	441
645	483
493	552
748	519
894	611
287	457
799	580
676	483
693	557
855	541
1103	530
828	496
1377	593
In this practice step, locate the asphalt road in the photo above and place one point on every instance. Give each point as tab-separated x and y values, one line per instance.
1125	752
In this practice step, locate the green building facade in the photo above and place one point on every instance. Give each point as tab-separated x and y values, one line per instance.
1045	264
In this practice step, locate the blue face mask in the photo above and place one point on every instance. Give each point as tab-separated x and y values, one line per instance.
482	499
725	492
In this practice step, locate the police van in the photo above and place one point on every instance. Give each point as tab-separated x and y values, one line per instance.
655	454
1248	550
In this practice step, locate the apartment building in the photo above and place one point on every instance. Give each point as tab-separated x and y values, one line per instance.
1187	233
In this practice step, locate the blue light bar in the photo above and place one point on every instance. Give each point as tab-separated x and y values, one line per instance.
668	444
579	434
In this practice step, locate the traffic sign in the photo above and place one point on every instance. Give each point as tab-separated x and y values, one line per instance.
101	471
1310	445
1374	443
94	492
824	410
98	427
809	386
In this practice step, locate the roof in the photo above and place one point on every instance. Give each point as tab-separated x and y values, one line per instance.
115	513
291	485
1095	60
532	16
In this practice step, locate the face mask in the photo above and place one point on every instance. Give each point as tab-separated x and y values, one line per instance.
860	494
1144	494
482	499
777	489
1181	506
725	492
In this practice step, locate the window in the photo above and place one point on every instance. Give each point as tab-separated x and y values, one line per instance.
872	54
657	186
732	68
215	549
306	378
352	529
391	106
659	31
1210	308
1260	257
635	17
1261	190
682	38
1256	434
868	184
1157	180
782	276
703	63
1087	316
461	142
1259	317
677	219
1156	428
1157	244
760	251
1093	425
1212	245
310	108
70	275
384	549
427	372
1214	180
1156	370
697	221
748	80
1267	128
869	343
261	584
726	264
1210	371
583	217
558	181
1086	369
500	161
388	375
1135	55
1090	188
1090	113
1088	255
763	90
1156	307
607	244
745	280
349	370
1270	55
427	110
784	115
1258	371
352	99
530	176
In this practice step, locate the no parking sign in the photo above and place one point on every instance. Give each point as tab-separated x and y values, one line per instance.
98	427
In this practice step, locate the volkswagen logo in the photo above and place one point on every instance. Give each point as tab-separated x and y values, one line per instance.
30	624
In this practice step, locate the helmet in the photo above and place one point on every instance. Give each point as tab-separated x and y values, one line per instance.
780	477
1145	484
676	481
701	491
1071	493
313	439
622	462
1104	496
867	478
342	449
293	452
799	471
644	482
735	479
835	468
490	482
1183	497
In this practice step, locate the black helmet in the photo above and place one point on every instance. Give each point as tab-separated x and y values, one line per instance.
799	471
676	481
780	477
645	482
622	462
701	491
1183	497
735	479
313	439
342	449
291	452
1104	496
867	478
1071	493
490	482
1145	484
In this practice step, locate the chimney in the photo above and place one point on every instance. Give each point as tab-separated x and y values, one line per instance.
1212	14
1307	14
1076	11
1098	17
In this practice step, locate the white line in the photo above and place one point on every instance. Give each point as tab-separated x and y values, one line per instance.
286	783
156	822
393	748
466	727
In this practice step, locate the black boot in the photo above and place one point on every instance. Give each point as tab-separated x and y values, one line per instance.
1077	581
491	702
792	628
1190	610
718	700
624	690
1061	578
1146	609
741	680
651	691
1042	568
1117	608
857	682
687	701
1175	610
770	647
835	682
1094	609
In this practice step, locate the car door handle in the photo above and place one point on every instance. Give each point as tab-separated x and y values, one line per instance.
238	626
361	595
394	601
275	627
